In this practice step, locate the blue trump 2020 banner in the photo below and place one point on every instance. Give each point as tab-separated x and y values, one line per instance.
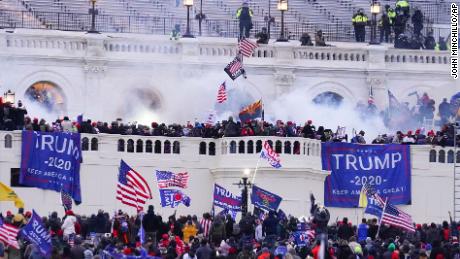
36	233
387	168
263	199
51	161
225	199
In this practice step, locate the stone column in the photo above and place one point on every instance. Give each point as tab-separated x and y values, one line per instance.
376	79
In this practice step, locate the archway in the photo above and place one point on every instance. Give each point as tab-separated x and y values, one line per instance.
147	109
48	96
328	99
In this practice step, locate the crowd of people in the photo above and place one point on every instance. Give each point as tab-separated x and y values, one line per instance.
392	24
268	235
15	118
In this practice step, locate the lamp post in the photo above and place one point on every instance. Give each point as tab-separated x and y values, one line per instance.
93	11
375	9
188	4
282	6
9	97
244	183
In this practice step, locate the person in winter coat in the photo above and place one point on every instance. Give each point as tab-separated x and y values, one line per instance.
217	232
189	230
362	231
150	224
345	231
244	15
68	226
204	252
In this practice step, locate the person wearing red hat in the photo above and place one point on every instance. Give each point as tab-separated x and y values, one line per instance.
309	130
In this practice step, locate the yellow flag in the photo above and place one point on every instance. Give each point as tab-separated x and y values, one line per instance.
362	198
7	194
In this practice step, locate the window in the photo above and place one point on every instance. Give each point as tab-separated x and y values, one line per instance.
287	147
458	156
176	147
94	144
130	147
148	146
157	147
202	148
296	148
212	149
258	146
442	156
8	141
432	156
250	147
121	145
278	147
167	147
450	156
14	178
241	147
139	146
85	144
232	147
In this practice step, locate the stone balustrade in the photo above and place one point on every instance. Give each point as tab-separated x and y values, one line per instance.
209	49
294	148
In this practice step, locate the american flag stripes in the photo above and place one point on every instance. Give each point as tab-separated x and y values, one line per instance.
235	65
166	179
235	68
247	47
272	157
222	93
8	234
132	189
396	217
66	200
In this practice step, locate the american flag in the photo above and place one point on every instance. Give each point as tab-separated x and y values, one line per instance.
234	69
270	154
132	189
8	234
222	93
235	65
166	179
247	47
397	218
66	200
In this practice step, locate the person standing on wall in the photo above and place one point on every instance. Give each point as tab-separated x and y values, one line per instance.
359	21
244	15
385	26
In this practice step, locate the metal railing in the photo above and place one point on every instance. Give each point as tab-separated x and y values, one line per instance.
164	25
161	25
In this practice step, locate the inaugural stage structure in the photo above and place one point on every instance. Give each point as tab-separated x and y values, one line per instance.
223	161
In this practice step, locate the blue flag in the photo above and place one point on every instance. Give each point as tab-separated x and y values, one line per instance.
387	168
173	198
36	233
225	199
51	161
264	199
374	207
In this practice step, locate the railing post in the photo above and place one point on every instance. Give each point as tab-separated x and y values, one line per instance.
164	25
58	21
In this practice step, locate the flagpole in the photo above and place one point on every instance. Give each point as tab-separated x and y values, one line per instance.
381	217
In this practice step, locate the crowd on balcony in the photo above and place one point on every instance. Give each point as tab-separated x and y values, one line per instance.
264	236
15	118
